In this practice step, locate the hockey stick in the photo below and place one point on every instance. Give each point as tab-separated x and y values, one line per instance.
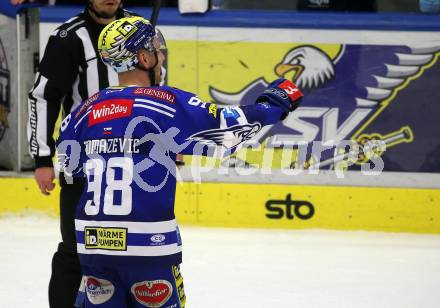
155	13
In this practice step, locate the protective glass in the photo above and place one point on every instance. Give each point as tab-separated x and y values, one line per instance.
161	39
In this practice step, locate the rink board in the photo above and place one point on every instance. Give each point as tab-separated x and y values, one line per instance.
269	206
22	195
341	208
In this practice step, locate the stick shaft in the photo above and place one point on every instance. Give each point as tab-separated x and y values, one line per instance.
155	13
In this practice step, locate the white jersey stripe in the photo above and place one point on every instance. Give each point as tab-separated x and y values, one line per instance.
132	226
242	118
39	129
141	100
145	251
74	25
92	77
92	62
82	118
223	123
57	30
75	94
113	79
154	109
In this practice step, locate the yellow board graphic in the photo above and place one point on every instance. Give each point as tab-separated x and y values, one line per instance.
23	195
196	65
340	208
246	205
229	71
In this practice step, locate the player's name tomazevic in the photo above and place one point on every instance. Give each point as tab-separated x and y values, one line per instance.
112	145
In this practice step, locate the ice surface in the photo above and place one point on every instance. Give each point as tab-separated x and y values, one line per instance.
241	268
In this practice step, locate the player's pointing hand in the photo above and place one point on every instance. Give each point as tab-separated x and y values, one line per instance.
282	93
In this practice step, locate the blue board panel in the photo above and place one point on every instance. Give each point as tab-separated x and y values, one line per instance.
273	19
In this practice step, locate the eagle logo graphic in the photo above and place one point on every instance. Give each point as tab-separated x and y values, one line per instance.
344	94
229	137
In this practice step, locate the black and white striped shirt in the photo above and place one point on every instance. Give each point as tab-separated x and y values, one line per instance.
71	71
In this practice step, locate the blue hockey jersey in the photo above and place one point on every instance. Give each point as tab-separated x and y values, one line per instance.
124	140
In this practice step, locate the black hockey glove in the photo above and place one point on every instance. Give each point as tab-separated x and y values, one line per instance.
282	93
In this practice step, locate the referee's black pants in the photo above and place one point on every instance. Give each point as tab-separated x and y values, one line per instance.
66	269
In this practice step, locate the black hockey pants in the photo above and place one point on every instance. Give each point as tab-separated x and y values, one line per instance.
66	270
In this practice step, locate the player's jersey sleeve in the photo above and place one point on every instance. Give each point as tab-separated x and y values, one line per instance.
68	147
201	123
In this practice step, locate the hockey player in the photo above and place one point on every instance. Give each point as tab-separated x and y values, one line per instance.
70	71
124	140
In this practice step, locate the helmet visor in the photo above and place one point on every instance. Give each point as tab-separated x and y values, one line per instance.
159	41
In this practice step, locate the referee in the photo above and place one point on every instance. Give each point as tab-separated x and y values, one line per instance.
70	71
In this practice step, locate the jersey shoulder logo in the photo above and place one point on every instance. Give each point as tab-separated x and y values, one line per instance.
228	137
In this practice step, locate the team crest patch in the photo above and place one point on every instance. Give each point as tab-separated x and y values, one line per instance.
98	290
152	293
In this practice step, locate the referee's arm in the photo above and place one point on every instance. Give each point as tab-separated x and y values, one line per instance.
57	73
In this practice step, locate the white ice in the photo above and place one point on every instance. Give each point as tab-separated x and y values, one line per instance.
255	268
